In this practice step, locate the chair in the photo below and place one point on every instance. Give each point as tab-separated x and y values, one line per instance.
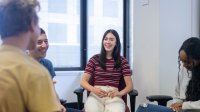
163	99
63	102
132	94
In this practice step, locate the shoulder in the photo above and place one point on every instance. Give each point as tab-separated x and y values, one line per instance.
22	65
34	69
95	57
123	59
45	62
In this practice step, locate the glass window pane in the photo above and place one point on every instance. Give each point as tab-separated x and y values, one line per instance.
57	6
57	37
91	7
110	8
78	7
104	17
63	31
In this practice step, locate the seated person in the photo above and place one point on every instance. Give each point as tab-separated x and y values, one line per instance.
188	89
107	68
39	54
25	85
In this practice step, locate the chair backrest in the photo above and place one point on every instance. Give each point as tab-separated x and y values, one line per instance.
120	87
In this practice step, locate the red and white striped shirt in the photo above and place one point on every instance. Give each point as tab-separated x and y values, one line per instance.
110	76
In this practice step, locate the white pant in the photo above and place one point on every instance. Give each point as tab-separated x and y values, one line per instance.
105	104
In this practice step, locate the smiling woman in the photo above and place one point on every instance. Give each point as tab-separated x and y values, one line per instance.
107	68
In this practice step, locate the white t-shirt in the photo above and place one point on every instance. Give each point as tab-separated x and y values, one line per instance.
182	82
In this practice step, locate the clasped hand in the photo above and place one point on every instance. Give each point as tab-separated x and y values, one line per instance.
176	107
101	93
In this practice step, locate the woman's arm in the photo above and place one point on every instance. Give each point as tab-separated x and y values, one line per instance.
129	85
191	105
84	83
186	105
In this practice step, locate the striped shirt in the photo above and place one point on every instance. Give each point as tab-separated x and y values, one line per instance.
110	76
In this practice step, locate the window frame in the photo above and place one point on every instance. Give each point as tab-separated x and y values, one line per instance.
83	35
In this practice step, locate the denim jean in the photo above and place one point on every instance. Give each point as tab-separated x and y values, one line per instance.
153	108
73	110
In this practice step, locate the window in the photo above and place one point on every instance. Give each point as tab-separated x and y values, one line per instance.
105	17
57	37
63	22
57	6
112	10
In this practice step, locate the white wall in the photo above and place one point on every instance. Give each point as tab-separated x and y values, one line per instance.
67	82
146	48
160	27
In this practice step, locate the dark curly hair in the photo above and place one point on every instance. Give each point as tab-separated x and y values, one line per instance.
16	17
191	47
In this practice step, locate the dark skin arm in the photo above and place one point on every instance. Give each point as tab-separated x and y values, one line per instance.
176	106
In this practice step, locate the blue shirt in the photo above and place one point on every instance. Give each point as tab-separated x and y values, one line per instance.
49	66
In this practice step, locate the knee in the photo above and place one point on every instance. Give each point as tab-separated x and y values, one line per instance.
91	106
114	108
91	110
140	109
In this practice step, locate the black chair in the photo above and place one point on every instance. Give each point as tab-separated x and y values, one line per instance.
161	99
63	102
79	93
132	94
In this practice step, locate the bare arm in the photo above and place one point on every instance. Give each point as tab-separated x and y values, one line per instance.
129	85
84	83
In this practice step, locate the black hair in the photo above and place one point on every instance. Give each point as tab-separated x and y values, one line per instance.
16	17
42	31
115	53
191	47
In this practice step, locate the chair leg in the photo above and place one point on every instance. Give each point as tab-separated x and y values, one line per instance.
80	101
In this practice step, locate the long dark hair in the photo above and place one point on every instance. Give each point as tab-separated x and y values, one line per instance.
115	53
191	47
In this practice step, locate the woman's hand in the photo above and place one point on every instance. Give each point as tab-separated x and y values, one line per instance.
176	106
101	93
114	93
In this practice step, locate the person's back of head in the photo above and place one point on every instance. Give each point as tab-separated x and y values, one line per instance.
17	16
